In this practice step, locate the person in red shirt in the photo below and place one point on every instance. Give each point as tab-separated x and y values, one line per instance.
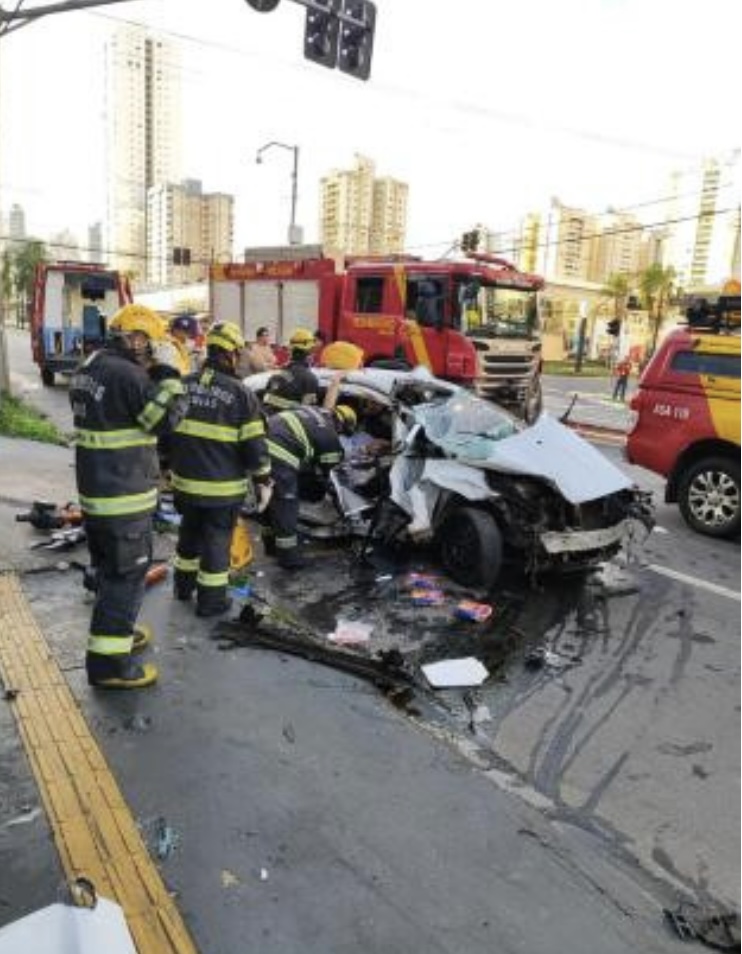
623	371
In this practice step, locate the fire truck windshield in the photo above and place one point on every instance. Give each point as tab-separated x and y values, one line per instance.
490	311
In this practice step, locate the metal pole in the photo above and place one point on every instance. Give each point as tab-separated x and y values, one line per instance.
4	365
294	189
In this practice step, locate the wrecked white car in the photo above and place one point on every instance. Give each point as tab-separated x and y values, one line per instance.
433	463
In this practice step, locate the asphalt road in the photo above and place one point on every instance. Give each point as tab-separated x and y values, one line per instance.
622	751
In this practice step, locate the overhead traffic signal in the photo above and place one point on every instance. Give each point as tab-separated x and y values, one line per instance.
357	38
470	241
321	32
614	327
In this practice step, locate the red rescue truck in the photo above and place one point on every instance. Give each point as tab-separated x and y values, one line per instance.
72	302
475	321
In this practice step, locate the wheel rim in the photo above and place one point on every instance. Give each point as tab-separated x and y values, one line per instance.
713	498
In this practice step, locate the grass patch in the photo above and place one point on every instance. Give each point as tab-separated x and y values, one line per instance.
590	369
18	419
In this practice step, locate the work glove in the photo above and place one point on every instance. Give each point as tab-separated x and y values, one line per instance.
264	491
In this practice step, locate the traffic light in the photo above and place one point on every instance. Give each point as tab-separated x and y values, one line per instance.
357	38
614	327
470	241
321	33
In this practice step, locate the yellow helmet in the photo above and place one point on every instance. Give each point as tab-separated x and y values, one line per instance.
138	318
347	418
225	335
302	340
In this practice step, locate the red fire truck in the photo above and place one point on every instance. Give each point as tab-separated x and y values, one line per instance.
68	314
474	321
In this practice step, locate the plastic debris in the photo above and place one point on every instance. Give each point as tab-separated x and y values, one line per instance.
476	612
427	597
421	581
715	928
167	839
350	632
453	673
229	879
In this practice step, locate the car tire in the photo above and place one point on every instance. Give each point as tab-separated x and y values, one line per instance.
709	496
469	544
47	377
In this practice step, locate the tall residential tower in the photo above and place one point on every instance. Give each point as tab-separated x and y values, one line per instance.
142	137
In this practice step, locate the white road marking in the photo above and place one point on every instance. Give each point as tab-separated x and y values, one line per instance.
694	581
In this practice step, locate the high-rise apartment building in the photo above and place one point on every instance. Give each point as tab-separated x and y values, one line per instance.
361	214
703	222
16	225
142	136
615	250
94	251
186	230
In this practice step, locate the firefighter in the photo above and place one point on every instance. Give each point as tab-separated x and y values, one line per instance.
295	384
219	442
119	409
301	439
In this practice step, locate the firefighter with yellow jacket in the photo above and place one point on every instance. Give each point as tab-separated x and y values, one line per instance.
120	403
216	448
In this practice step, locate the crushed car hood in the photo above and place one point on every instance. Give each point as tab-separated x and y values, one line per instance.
474	435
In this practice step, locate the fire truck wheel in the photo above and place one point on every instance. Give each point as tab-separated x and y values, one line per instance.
470	547
47	377
709	496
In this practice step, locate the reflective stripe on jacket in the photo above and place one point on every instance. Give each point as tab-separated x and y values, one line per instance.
117	412
220	442
304	435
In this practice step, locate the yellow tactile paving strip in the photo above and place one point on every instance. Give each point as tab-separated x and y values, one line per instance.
96	835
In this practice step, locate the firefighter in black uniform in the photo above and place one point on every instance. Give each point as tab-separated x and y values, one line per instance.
295	384
300	439
119	409
215	447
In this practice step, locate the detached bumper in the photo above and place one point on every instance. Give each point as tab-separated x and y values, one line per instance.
589	541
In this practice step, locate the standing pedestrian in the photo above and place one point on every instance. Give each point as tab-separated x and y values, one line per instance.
118	412
623	371
216	446
295	384
260	356
301	439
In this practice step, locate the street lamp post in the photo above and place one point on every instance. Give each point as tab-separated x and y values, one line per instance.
294	231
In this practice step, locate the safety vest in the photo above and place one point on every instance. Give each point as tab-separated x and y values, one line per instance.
118	412
220	442
304	436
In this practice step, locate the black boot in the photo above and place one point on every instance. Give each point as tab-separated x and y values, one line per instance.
212	601
119	672
291	559
184	585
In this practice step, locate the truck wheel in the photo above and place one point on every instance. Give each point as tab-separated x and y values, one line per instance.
470	547
47	377
534	403
708	496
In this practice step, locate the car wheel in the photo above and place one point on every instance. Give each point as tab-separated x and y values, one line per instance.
470	547
708	496
47	377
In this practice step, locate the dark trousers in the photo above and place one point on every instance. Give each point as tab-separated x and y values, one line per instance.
120	554
619	389
202	553
283	510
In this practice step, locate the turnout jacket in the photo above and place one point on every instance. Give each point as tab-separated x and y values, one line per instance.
219	442
118	412
291	387
304	436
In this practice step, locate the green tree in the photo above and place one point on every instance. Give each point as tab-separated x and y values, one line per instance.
25	261
656	284
616	289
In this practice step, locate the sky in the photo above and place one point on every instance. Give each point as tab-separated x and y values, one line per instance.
487	109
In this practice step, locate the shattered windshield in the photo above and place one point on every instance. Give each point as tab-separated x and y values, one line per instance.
488	311
466	426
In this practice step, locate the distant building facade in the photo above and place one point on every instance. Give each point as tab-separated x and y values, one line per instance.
186	230
702	230
362	214
143	136
16	225
95	242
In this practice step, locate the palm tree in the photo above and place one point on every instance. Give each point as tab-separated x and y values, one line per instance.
616	289
656	284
